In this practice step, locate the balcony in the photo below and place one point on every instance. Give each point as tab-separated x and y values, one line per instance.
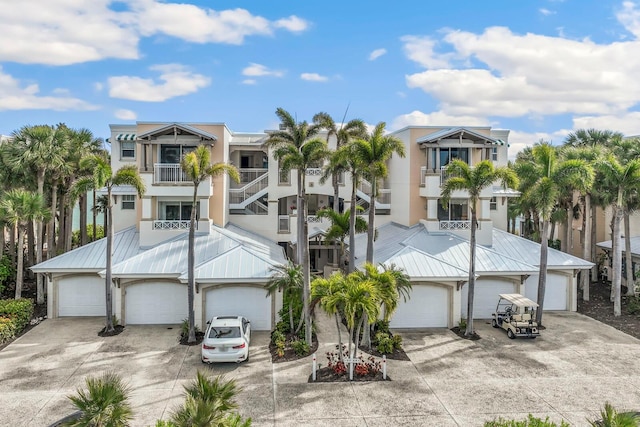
456	225
166	173
172	225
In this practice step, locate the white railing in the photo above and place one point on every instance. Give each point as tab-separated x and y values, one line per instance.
258	208
456	225
313	172
172	225
443	175
314	219
168	172
283	224
384	197
248	176
239	195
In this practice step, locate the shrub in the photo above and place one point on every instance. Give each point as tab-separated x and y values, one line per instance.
530	421
300	347
381	326
633	305
277	336
19	311
280	345
610	417
397	342
335	364
462	324
7	329
385	343
184	327
6	271
75	236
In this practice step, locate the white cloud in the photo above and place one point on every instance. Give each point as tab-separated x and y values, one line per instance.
249	82
377	54
98	86
420	50
401	94
176	80
292	23
123	114
629	17
259	70
437	118
313	77
628	123
63	32
518	141
546	12
17	96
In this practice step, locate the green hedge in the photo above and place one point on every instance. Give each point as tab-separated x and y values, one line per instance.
15	315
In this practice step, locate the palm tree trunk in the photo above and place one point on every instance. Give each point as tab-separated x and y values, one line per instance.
68	236
191	263
542	277
627	254
3	240
352	227
62	226
569	231
51	232
290	312
94	215
20	268
594	222
614	246
337	316
336	208
107	283
31	243
12	245
553	230
617	262
306	275
372	217
40	288
472	272
586	252
82	201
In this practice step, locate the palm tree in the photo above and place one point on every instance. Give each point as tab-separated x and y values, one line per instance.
323	292
197	167
474	180
296	147
21	208
541	178
104	403
339	228
287	279
373	153
610	417
623	183
102	176
38	149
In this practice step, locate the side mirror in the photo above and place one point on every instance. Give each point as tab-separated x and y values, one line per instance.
208	322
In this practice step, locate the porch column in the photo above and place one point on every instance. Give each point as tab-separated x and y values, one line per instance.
204	209
146	208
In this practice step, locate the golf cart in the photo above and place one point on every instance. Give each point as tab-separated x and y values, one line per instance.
516	314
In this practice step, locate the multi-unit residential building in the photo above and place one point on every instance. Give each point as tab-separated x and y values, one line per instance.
245	228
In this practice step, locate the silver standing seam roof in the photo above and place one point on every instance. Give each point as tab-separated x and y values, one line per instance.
635	245
437	136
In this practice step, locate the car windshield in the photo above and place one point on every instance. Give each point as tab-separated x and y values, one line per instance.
225	332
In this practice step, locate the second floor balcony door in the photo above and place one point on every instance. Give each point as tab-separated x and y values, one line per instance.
447	154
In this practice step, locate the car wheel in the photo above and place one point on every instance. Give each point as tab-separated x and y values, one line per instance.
510	334
247	359
494	323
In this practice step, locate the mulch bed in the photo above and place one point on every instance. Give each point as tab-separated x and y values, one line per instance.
289	353
117	330
460	332
398	353
184	340
326	375
600	308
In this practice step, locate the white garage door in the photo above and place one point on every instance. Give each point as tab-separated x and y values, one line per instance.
81	296
555	293
486	296
155	303
247	301
427	308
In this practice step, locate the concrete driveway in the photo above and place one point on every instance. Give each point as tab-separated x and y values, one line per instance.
567	373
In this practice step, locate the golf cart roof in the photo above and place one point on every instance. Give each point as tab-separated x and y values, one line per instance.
518	300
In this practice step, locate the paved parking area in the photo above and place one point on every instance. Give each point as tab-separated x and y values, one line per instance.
567	373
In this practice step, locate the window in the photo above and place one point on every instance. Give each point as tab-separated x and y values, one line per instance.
448	154
177	211
172	154
493	204
127	150
458	210
128	201
494	154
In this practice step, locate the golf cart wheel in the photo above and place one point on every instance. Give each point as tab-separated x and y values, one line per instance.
510	334
494	323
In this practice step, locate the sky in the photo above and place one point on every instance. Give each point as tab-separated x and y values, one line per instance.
540	68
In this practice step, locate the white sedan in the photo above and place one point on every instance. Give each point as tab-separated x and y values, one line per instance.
226	340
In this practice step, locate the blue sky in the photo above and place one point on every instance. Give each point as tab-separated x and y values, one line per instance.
540	68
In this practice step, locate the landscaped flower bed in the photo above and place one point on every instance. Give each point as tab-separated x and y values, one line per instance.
365	369
15	316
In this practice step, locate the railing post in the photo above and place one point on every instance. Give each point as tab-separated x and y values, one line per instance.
313	373
384	366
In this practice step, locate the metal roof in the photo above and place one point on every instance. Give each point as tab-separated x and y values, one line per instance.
519	300
185	127
635	245
445	133
92	257
529	251
417	265
237	264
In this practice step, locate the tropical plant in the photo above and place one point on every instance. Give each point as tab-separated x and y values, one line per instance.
339	228
286	278
474	180
296	147
612	418
197	167
102	176
21	208
324	292
104	403
542	177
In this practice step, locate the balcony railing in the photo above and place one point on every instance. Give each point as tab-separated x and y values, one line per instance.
239	195
456	225
313	171
247	176
168	172
172	225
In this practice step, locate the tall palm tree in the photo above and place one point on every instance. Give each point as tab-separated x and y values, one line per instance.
339	228
103	177
474	180
541	178
197	167
104	403
372	153
296	147
622	181
286	278
38	149
20	208
323	292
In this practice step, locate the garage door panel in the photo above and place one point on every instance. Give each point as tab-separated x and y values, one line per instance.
156	304
555	294
248	301
428	307
486	296
81	296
